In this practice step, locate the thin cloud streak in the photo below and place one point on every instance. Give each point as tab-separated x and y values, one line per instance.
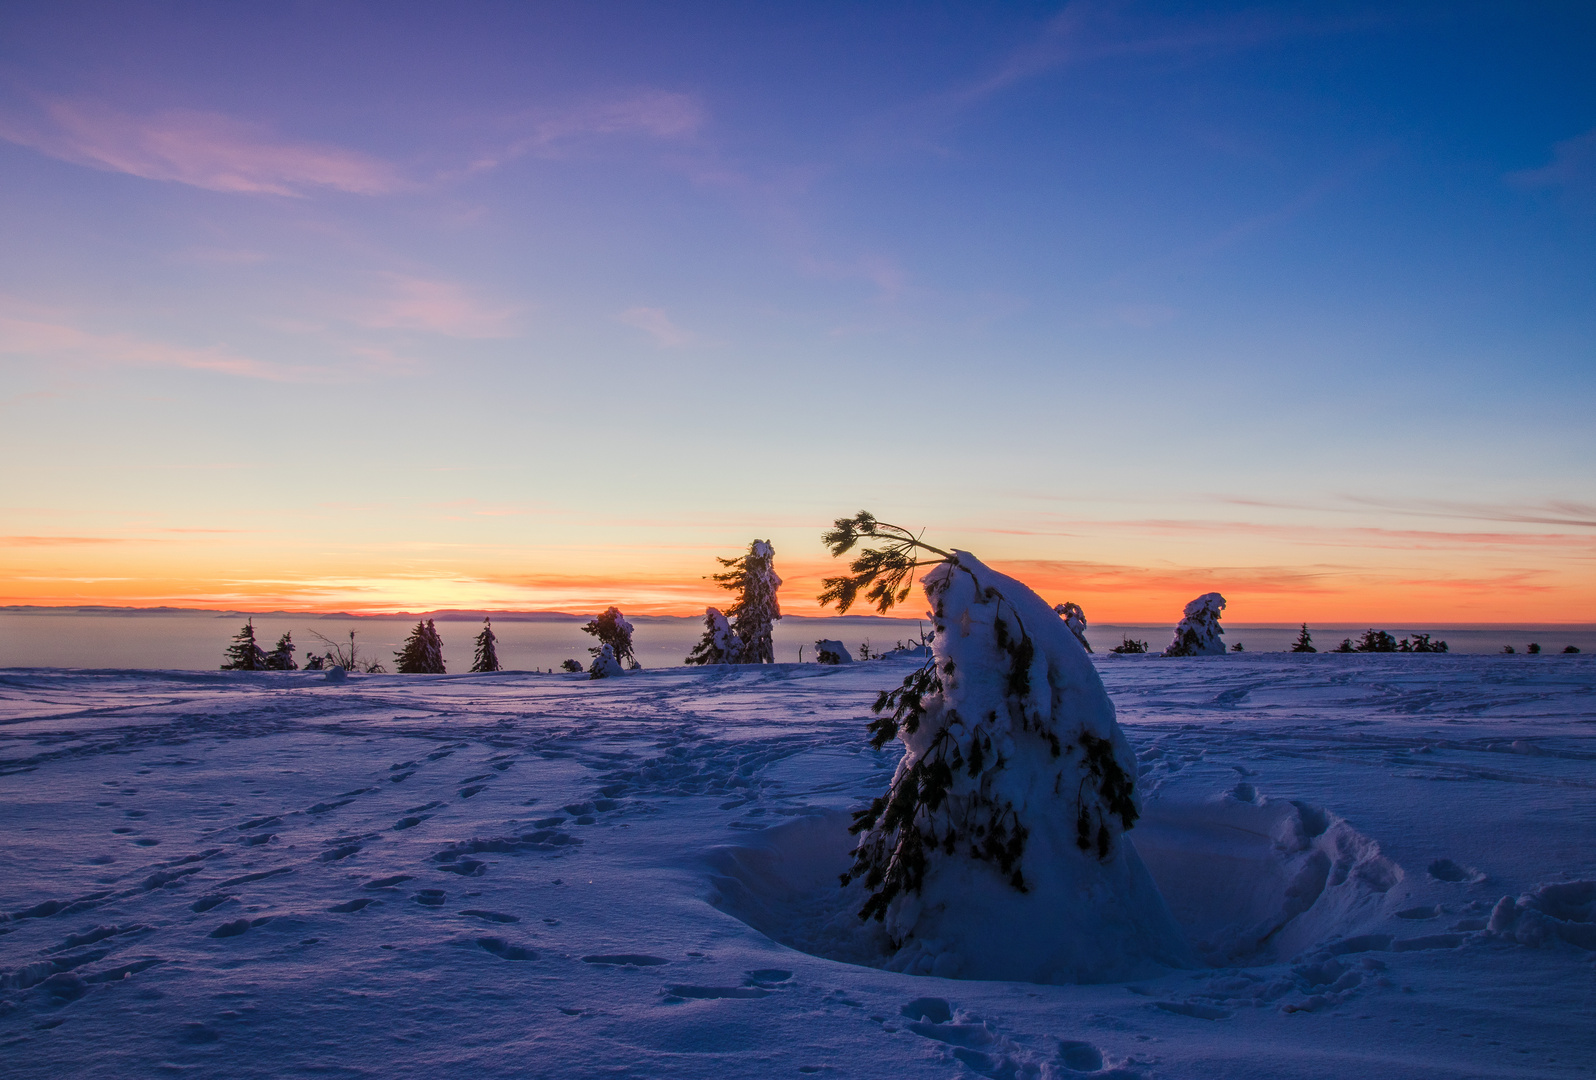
438	307
657	325
657	115
206	150
33	338
1579	515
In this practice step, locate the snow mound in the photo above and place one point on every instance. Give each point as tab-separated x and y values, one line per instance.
1565	909
1250	878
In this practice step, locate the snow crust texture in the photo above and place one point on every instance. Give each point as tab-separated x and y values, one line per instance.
1381	863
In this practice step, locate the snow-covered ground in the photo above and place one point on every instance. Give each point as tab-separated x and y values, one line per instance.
242	874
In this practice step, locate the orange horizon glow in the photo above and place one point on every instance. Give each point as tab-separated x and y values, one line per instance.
1110	594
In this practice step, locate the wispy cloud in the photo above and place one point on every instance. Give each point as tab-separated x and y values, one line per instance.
1572	168
58	541
1086	31
38	338
1565	512
434	306
656	115
656	324
202	149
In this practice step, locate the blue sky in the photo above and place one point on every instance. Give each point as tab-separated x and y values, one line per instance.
513	305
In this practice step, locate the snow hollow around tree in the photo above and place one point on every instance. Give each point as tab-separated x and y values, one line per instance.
1023	868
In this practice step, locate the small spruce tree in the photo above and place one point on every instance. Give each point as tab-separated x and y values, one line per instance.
422	653
996	851
1345	646
720	643
243	654
753	578
612	629
282	657
605	665
487	657
1075	619
1198	632
1304	642
1376	641
571	665
1129	645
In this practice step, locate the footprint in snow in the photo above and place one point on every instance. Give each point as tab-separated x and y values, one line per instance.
504	950
1455	873
491	916
351	906
625	960
238	926
679	993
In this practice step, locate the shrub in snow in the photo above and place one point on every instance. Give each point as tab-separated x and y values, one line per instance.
720	643
1532	649
998	851
1345	646
1075	619
1129	645
1304	642
571	665
282	657
1199	633
830	651
1566	648
243	654
315	663
422	653
1376	641
605	665
348	659
753	578
1421	643
614	632
487	656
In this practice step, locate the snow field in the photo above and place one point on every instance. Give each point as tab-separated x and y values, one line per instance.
266	874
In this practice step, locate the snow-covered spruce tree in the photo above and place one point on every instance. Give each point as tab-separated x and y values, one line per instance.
832	651
243	654
605	665
1075	619
422	653
753	578
282	657
1199	633
1304	642
612	629
720	643
487	657
998	851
